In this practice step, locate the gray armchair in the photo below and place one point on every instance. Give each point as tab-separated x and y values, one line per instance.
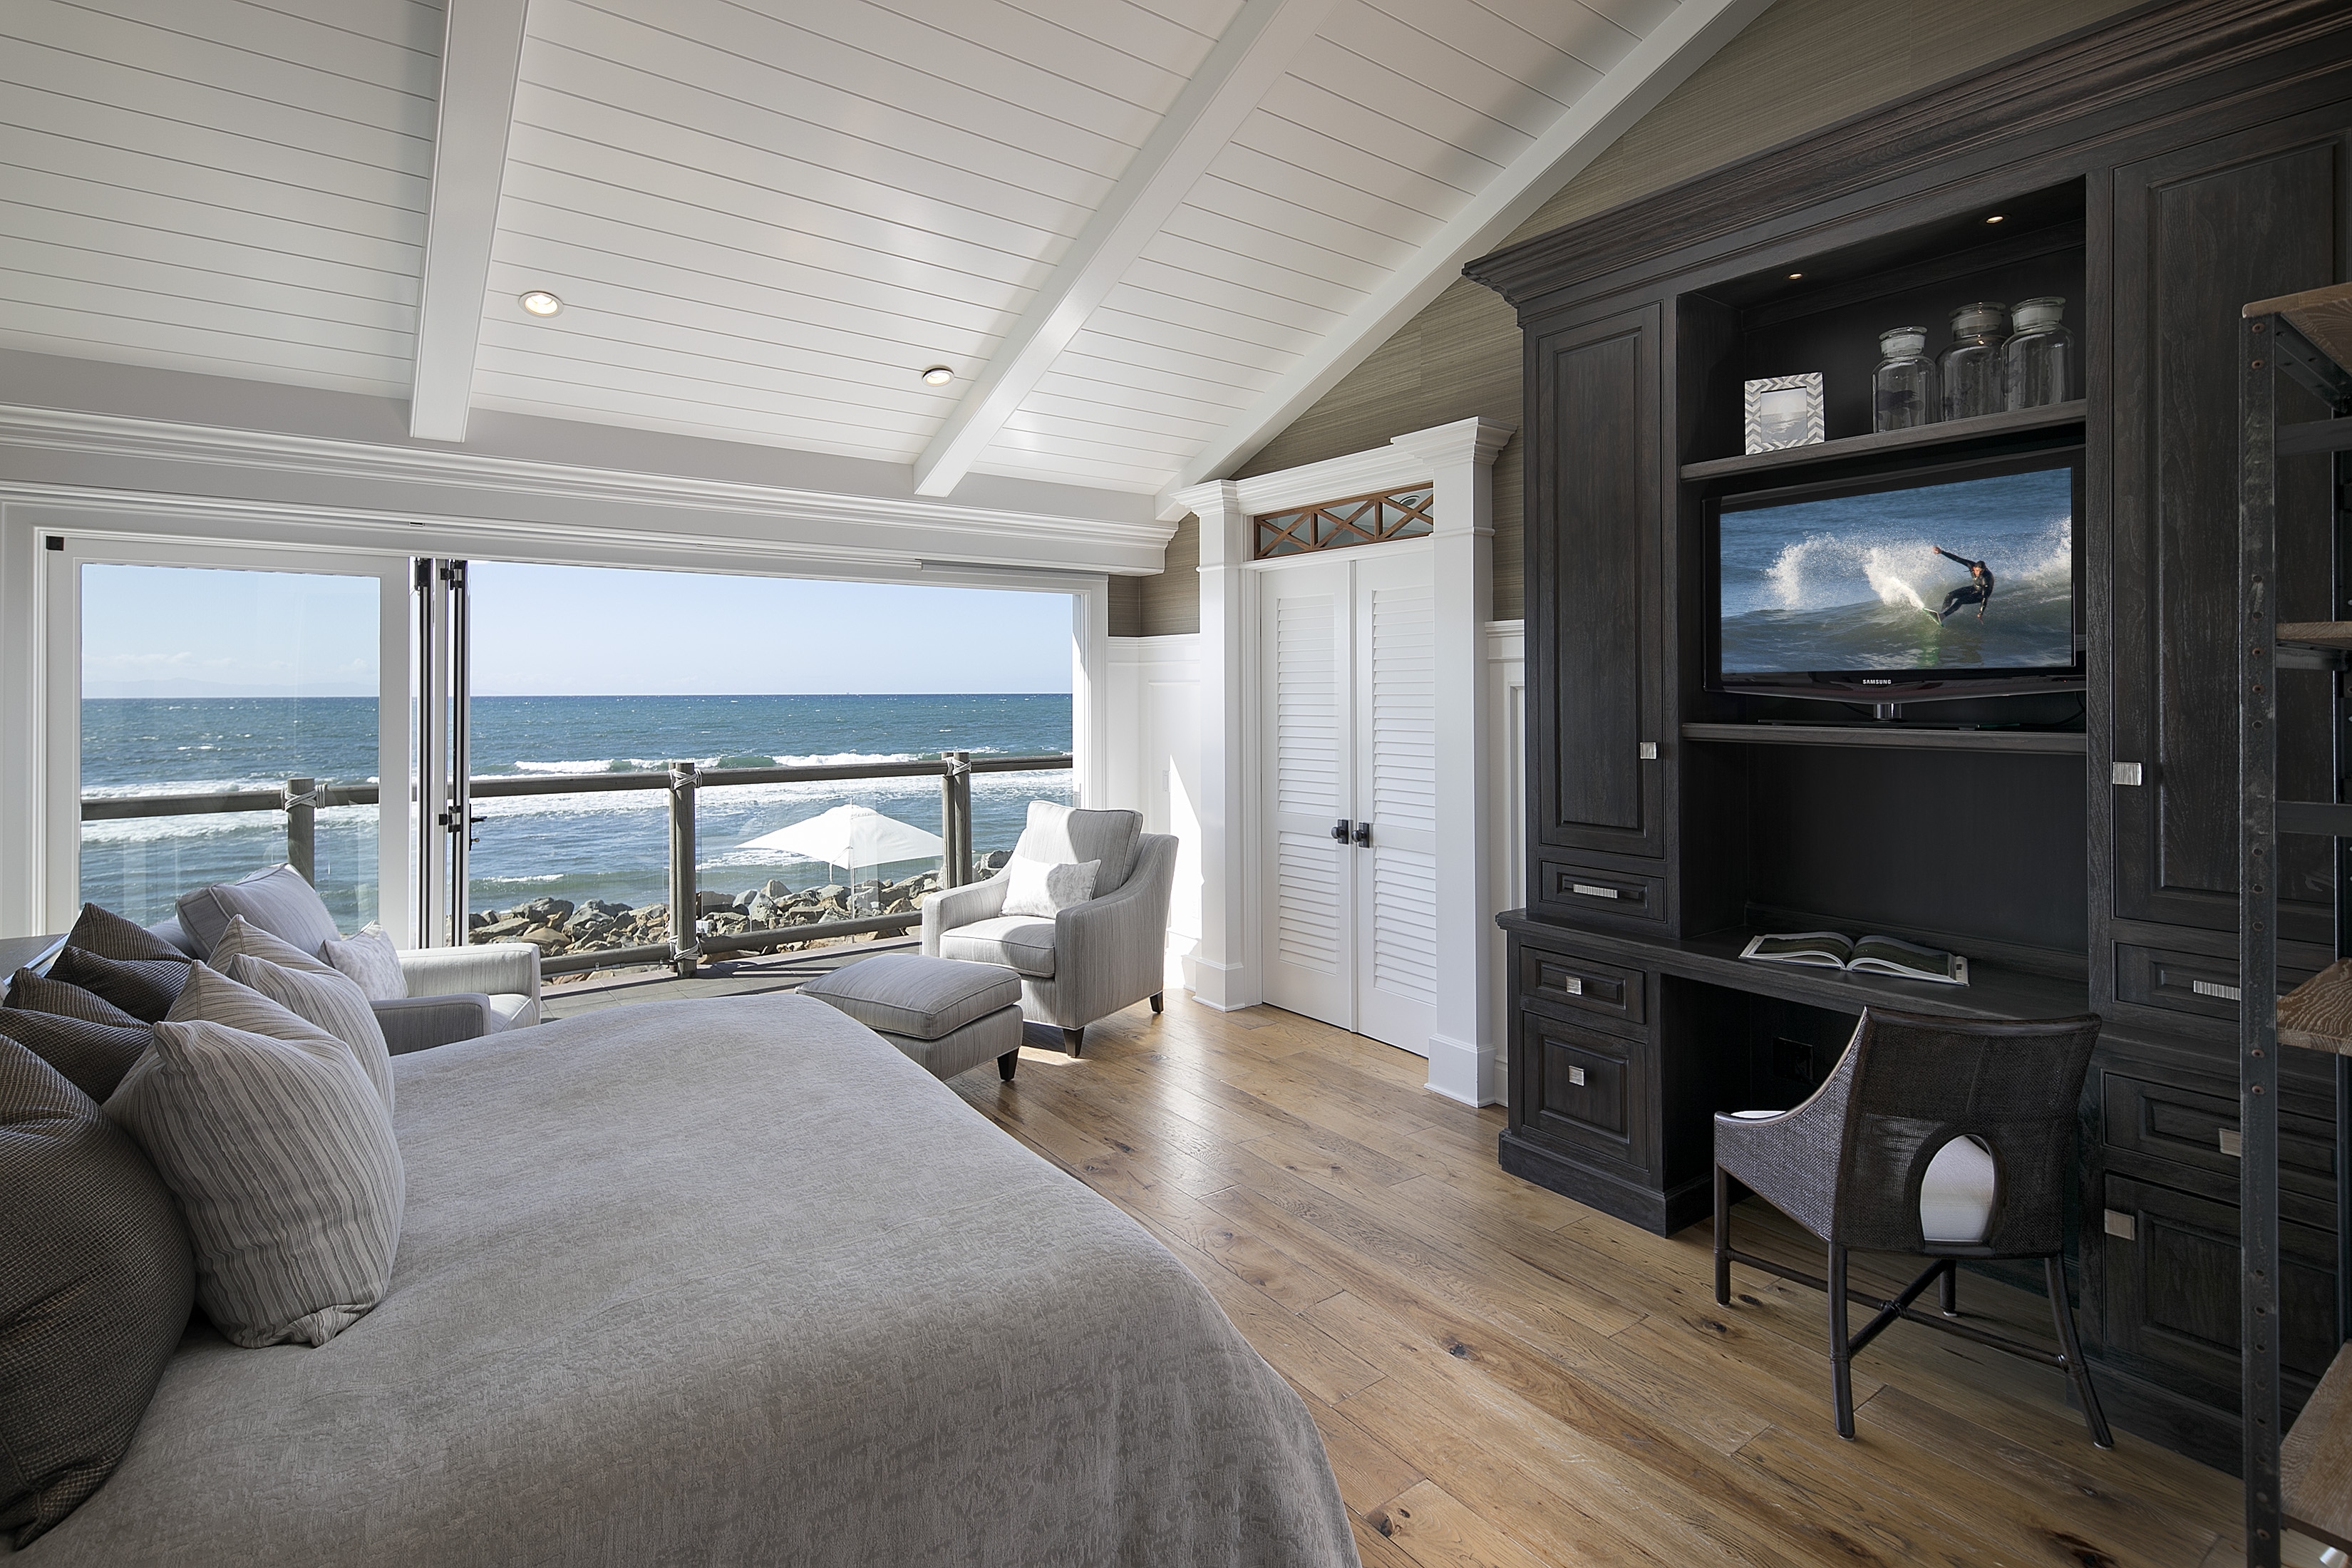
454	992
1089	960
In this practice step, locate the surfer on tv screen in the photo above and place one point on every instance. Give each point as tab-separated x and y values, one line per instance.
1977	590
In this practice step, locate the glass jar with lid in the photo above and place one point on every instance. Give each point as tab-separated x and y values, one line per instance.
1971	369
1904	384
2038	364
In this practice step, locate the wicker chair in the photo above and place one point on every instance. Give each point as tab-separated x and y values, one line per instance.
1943	1138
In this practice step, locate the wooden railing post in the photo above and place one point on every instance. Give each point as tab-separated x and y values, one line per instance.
685	897
302	828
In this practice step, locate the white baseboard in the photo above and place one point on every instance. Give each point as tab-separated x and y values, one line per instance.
1227	988
1463	1071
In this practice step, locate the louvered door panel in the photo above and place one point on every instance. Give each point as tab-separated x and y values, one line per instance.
1396	772
1309	876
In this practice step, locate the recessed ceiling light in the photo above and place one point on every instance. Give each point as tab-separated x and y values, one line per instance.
938	376
1995	218
539	302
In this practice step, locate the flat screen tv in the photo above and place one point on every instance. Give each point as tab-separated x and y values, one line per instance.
1958	580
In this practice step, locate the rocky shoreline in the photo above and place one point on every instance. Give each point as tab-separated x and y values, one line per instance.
558	927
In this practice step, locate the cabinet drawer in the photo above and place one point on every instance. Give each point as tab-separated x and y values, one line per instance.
1585	1092
2193	983
2200	1130
1586	890
1565	986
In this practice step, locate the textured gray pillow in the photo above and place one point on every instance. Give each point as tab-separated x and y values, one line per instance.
278	900
143	987
109	935
95	1281
92	1054
241	936
370	960
281	1156
330	1001
36	992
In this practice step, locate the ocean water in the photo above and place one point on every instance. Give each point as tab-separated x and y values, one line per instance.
1853	583
575	846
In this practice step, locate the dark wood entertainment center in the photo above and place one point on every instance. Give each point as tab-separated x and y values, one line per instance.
2081	849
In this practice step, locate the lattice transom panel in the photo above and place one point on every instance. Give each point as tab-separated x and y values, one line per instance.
1359	520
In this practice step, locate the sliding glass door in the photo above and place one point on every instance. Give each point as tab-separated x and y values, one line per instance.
214	710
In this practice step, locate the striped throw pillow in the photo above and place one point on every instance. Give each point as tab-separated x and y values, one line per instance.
282	1157
331	1001
242	936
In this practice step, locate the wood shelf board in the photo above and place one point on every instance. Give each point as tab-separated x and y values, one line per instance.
2322	315
2316	1460
1949	432
1995	990
1890	737
2316	1016
2335	635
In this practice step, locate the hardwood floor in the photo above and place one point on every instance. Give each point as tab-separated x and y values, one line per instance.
1505	1377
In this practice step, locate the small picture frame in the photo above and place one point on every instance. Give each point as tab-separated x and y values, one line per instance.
1785	411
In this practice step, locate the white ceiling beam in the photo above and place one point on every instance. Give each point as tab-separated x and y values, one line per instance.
1655	66
1235	77
480	54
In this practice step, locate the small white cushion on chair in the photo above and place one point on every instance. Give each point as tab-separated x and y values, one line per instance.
1956	1196
372	962
1036	888
1019	943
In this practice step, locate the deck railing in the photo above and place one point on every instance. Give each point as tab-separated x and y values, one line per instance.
300	800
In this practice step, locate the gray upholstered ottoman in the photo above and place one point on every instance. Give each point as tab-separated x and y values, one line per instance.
948	1015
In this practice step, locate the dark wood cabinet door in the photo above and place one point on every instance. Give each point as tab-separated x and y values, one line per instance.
2197	233
1594	608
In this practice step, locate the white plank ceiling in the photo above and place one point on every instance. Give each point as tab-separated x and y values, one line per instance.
766	217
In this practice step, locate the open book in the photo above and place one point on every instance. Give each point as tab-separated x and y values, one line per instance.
1869	954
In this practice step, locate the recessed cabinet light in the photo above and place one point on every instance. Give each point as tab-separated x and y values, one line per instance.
1995	218
539	302
1794	276
938	376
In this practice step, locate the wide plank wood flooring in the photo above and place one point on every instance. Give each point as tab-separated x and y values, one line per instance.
1505	1377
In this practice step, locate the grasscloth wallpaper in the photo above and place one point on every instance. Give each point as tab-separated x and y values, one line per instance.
1803	64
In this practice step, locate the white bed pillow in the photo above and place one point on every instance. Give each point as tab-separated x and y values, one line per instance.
1043	889
282	1159
372	962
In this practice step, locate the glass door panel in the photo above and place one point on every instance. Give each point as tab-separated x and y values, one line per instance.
220	720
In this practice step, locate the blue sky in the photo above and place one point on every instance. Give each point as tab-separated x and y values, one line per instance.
572	631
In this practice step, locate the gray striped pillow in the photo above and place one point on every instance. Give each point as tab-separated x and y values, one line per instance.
282	1158
244	937
331	1001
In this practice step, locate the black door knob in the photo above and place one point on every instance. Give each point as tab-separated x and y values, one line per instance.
1363	835
1340	831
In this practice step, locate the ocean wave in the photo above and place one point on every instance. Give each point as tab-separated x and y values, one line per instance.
516	882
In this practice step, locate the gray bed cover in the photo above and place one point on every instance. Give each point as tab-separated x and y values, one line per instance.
728	1281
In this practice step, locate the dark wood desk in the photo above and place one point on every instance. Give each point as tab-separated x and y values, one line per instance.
1622	1047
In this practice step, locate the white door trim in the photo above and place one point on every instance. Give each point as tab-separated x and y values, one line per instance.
1458	459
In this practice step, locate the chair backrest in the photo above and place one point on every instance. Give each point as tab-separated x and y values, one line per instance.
277	900
1067	835
1915	1083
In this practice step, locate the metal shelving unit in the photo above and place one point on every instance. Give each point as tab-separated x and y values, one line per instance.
2299	1480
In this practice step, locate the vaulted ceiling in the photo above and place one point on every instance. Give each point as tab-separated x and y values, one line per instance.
1142	234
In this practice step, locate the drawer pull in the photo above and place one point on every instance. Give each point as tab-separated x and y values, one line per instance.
2122	1226
1589	891
2214	988
1576	1077
2127	773
2232	1143
1572	985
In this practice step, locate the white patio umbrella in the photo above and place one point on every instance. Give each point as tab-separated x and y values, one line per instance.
851	835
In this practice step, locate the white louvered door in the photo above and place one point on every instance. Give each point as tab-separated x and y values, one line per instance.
1348	659
1308	875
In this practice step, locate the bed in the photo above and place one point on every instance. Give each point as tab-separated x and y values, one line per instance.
728	1281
